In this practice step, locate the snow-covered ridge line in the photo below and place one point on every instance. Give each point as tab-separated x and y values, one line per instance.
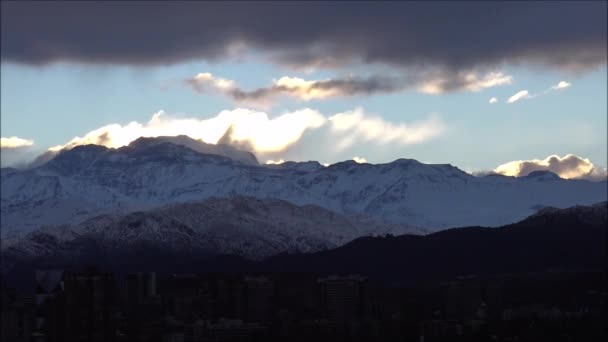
90	180
245	226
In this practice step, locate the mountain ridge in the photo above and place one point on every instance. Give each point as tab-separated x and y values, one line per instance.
571	239
91	180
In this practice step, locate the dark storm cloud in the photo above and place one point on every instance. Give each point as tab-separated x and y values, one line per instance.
450	35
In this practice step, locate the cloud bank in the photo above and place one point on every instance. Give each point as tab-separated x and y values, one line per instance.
263	135
243	127
569	166
448	35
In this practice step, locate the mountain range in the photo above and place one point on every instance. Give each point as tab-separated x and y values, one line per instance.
183	193
90	180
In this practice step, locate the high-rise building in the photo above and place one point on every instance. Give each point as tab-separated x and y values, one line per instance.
90	303
48	322
343	298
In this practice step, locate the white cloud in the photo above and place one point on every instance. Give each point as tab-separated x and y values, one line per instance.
306	90
205	79
524	94
490	80
520	95
561	85
359	160
493	100
274	162
15	151
238	126
465	81
15	142
355	126
258	132
569	166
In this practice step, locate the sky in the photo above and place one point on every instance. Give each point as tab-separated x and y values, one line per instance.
485	86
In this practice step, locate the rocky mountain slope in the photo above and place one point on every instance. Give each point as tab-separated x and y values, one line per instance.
243	226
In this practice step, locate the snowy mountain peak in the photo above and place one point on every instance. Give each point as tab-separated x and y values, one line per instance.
347	165
77	158
405	161
199	146
299	166
542	175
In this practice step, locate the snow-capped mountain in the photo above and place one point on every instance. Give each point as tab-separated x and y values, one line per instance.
231	152
88	181
244	226
197	145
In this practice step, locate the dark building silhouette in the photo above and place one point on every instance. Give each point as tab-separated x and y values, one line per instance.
141	314
90	306
17	316
259	299
98	306
49	322
343	301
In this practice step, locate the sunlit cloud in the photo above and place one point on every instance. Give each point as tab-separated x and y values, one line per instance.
359	160
15	151
355	126
561	85
256	131
239	126
14	142
274	162
463	81
569	166
493	100
202	80
520	95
